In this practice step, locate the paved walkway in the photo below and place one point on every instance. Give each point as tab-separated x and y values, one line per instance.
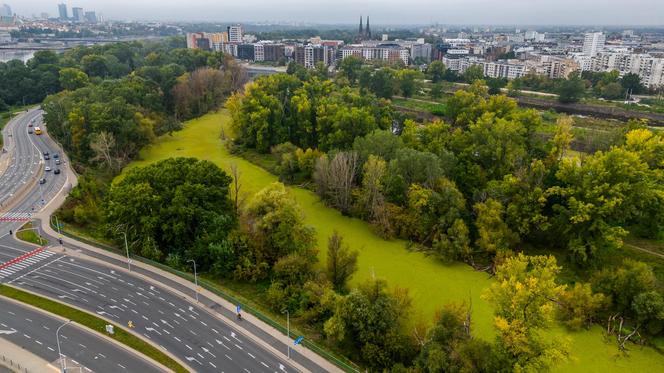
21	360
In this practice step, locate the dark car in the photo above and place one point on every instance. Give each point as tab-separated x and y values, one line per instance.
56	156
46	157
57	161
30	132
42	181
57	171
30	125
45	153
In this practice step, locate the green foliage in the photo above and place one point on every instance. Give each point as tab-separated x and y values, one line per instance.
176	206
571	90
522	296
341	262
369	319
473	74
436	71
580	306
310	114
409	82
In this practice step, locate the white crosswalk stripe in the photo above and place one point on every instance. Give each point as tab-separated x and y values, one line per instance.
24	264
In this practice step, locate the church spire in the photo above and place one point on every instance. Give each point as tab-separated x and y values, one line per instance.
368	30
361	31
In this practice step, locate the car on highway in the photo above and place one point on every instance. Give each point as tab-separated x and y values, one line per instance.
46	153
30	132
56	156
38	131
30	125
46	157
47	169
57	161
42	181
57	171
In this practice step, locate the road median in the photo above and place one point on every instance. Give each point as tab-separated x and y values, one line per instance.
96	324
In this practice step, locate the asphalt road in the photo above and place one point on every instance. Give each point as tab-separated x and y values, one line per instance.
35	331
191	333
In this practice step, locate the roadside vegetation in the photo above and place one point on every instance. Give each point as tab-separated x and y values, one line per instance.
27	233
473	243
89	321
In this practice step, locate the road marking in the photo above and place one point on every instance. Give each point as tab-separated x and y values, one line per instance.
265	365
252	356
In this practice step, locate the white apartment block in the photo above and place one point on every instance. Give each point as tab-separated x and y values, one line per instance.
259	52
386	53
504	70
593	43
235	34
647	67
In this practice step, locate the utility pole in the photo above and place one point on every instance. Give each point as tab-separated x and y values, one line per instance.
195	278
287	330
63	362
127	248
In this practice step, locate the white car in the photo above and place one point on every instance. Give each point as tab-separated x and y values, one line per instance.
47	169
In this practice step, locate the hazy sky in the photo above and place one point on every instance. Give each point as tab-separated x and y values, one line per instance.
592	12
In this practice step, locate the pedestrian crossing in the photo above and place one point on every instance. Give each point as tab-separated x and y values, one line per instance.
15	216
23	262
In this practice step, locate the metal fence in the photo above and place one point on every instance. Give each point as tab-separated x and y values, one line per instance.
12	365
340	362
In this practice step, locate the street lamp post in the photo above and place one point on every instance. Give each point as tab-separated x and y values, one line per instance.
63	362
287	330
195	278
127	248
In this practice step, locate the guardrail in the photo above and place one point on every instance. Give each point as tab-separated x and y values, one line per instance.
340	362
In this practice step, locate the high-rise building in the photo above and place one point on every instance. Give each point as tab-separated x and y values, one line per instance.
78	15
90	17
62	11
593	43
235	34
5	11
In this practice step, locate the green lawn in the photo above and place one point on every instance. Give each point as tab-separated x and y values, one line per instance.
28	234
431	283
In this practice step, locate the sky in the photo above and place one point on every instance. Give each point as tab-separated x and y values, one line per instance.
493	12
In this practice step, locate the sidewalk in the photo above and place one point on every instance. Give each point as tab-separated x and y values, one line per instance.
17	358
217	306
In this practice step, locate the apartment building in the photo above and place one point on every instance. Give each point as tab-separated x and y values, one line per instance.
593	42
310	54
391	53
235	33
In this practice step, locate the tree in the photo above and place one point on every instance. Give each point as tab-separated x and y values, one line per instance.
173	207
103	144
383	82
72	78
437	91
473	73
277	225
579	306
335	179
341	262
632	82
494	236
612	91
371	198
523	297
349	67
436	71
495	84
571	89
95	65
369	320
408	81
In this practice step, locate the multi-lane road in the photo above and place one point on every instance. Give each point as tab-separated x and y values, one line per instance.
34	330
197	336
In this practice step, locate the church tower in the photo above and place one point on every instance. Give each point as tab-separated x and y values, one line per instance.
361	30
367	32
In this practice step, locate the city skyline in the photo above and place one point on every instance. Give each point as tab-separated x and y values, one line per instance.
386	12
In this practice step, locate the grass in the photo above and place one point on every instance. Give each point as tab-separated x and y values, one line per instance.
27	233
431	107
94	323
431	283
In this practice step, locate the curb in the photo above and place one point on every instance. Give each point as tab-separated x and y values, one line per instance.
96	333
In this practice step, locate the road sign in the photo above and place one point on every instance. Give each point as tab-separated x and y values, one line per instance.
238	308
298	340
